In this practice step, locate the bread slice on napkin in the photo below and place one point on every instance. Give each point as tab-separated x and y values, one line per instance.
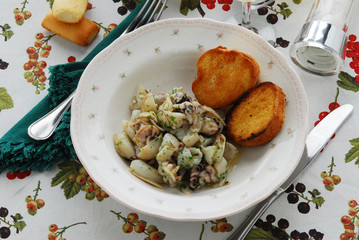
223	76
258	117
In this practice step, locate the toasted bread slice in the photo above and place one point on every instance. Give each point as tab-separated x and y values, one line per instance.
258	117
223	76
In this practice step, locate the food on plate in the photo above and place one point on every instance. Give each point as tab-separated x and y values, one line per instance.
81	33
223	76
172	139
258	116
69	11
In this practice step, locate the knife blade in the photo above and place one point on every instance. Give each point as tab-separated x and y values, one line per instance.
315	142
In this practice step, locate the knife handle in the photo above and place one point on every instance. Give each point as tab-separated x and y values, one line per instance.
241	232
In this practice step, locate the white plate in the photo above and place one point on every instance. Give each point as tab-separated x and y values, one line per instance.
161	56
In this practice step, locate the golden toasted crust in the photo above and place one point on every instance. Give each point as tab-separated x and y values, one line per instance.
258	117
223	76
81	33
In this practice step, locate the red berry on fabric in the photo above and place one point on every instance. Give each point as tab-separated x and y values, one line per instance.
352	37
350	45
226	7
211	5
47	47
357	78
349	54
89	6
333	105
53	228
52	236
228	1
21	175
71	59
272	18
323	115
31	50
346	219
11	176
352	65
39	36
356	70
352	203
316	123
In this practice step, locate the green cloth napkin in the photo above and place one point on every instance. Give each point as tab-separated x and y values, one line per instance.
19	152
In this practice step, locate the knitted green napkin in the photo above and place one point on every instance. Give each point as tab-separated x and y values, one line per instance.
19	152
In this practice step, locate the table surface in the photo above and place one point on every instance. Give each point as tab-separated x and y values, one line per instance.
332	208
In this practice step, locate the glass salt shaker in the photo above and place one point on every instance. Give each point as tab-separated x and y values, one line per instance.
320	46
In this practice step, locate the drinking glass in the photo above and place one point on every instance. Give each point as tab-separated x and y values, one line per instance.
247	6
258	25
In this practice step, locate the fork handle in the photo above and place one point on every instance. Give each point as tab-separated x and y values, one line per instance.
45	126
241	232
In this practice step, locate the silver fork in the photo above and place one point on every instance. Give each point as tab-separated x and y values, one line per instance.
43	128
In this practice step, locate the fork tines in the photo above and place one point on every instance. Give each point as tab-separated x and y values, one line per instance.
151	11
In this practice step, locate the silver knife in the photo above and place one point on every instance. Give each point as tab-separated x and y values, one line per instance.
316	140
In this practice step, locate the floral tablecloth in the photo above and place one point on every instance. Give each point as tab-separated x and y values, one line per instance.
322	204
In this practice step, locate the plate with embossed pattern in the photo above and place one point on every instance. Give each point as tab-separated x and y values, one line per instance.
161	56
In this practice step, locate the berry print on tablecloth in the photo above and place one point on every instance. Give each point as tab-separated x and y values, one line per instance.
127	6
107	29
350	83
56	232
34	68
74	178
10	227
6	32
20	14
331	107
217	226
346	81
89	6
272	11
269	230
297	195
350	221
18	174
33	203
71	59
3	65
211	4
280	42
330	179
132	223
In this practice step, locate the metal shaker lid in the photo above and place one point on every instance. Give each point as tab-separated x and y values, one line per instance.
319	48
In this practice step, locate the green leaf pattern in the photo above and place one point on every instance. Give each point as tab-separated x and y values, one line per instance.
6	101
